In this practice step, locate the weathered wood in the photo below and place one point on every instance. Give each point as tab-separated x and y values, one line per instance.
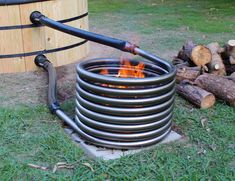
228	55
177	61
185	52
201	55
216	66
11	40
220	86
198	55
187	73
196	95
230	69
231	51
231	77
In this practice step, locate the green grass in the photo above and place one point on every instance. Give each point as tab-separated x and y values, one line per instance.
30	134
203	16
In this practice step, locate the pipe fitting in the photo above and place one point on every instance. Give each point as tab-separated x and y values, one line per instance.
35	17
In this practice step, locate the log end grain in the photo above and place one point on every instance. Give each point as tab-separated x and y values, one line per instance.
208	101
201	55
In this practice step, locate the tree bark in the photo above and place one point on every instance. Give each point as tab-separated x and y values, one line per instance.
231	77
216	66
231	51
187	73
198	55
177	61
220	86
196	95
228	55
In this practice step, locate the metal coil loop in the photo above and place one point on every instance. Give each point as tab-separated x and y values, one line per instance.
124	113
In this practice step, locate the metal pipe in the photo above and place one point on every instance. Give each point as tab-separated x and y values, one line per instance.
38	18
110	116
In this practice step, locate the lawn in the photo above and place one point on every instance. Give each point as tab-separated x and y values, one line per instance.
31	135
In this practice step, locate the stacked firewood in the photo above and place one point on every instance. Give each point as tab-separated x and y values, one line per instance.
205	73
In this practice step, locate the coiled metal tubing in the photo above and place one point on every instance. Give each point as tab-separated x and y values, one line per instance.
124	112
115	112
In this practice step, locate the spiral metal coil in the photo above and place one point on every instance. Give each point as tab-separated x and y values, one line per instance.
137	115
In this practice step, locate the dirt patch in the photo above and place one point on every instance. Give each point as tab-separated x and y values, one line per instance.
30	88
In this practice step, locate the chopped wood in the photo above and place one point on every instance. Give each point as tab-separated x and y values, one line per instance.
228	55
196	95
187	73
216	66
177	61
185	64
201	55
231	43
230	69
220	86
198	55
231	77
231	49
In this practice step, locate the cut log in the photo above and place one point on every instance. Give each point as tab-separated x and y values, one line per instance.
177	61
201	55
220	86
182	65
216	66
198	55
228	55
196	95
230	69
231	50
231	77
187	73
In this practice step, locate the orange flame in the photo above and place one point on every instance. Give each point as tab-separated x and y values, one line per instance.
127	70
104	72
130	71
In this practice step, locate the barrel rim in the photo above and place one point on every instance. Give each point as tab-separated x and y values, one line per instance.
18	2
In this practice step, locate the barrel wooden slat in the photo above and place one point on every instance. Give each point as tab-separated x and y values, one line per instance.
32	40
11	40
59	39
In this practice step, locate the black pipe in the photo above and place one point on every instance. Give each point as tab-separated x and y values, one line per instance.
42	61
100	119
38	18
142	133
53	105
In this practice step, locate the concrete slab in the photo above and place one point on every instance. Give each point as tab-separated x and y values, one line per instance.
110	154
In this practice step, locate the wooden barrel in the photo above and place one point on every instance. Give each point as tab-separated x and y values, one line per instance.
21	41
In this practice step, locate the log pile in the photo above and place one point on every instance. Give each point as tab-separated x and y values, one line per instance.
206	72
